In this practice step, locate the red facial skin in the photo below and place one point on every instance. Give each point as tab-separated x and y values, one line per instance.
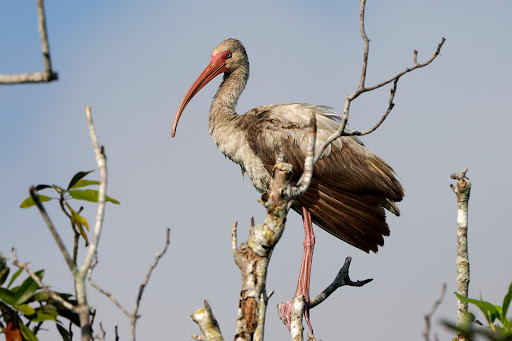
216	66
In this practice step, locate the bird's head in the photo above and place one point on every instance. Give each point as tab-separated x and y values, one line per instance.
227	57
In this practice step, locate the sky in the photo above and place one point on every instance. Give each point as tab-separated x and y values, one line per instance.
133	62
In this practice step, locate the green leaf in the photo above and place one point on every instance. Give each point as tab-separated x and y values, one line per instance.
27	288
112	200
83	183
27	333
506	301
80	222
488	309
70	315
29	202
499	310
13	278
7	296
77	177
25	309
44	315
63	333
89	195
40	187
4	273
41	296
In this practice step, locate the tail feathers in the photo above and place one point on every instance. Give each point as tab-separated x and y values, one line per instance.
357	219
391	207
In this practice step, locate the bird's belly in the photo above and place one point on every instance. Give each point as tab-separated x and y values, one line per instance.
238	150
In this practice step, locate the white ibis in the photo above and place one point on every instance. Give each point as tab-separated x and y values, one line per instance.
351	185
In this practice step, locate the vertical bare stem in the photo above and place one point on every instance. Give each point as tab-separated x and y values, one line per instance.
366	45
44	37
462	191
80	277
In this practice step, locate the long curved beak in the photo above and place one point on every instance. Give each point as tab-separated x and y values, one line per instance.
216	66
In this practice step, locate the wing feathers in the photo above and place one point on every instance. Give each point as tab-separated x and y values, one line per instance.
352	186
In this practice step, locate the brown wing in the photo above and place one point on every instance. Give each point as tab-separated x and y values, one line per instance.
351	185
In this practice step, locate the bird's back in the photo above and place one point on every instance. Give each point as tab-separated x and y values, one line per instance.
351	185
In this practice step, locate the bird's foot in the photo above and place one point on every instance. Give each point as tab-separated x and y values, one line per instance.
285	311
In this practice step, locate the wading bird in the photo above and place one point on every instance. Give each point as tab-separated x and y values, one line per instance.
351	186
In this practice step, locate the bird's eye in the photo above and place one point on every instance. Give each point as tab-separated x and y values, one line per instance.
228	54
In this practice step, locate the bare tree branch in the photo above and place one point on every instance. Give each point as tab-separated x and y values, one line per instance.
101	160
103	334
37	77
342	279
309	163
101	290
296	327
366	45
428	317
462	191
135	314
390	107
36	279
53	231
207	323
79	278
362	89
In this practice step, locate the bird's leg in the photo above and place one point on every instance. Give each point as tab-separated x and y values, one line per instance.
307	260
305	272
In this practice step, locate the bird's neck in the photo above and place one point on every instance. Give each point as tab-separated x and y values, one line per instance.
222	110
223	118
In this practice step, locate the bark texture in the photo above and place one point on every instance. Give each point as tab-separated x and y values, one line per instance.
462	191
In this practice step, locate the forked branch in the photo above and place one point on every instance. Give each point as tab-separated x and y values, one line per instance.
134	315
48	74
362	88
341	279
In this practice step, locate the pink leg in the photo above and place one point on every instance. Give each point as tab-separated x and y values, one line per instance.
307	260
305	271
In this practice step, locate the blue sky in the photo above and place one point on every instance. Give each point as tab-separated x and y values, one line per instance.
133	62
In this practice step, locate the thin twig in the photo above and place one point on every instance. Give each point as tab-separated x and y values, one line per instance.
35	196
36	279
104	292
415	66
103	333
366	44
341	279
134	315
362	89
390	107
428	317
234	243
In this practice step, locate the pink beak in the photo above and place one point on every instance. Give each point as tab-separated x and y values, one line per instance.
216	66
